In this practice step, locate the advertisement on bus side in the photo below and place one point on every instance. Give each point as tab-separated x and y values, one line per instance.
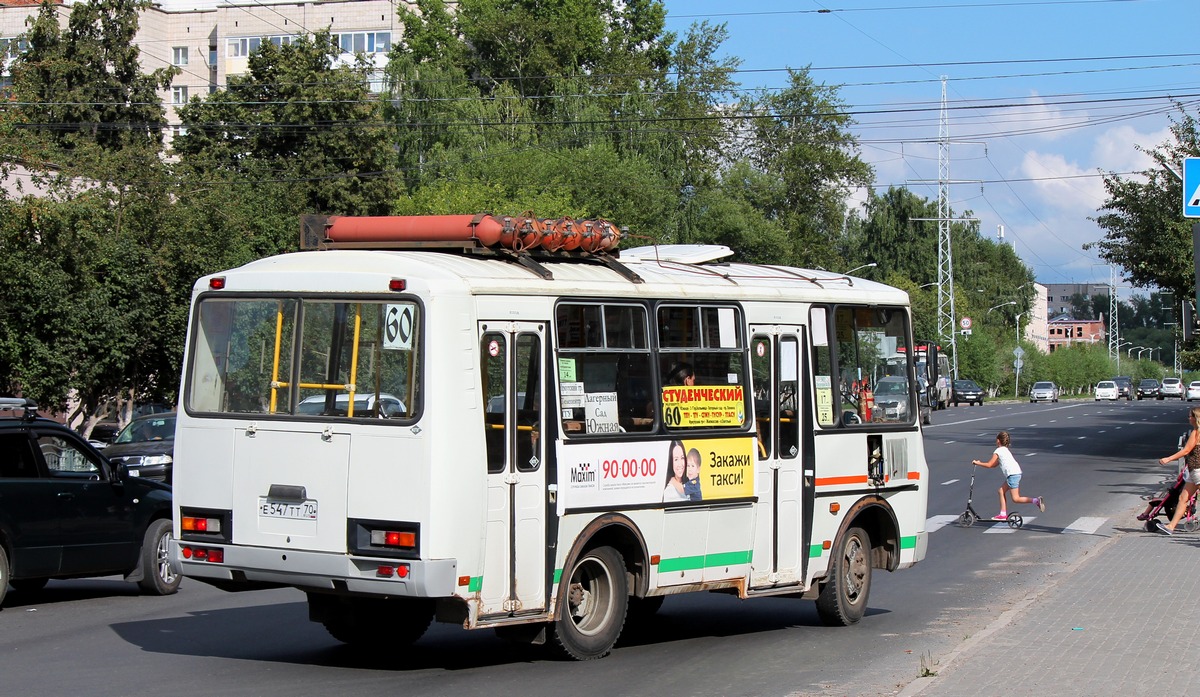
612	475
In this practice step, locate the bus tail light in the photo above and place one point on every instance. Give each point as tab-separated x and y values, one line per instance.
197	524
385	538
398	571
205	525
394	538
215	555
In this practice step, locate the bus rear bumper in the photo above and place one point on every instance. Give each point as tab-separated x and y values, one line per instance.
321	571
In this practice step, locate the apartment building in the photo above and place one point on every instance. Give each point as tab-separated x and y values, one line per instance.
210	40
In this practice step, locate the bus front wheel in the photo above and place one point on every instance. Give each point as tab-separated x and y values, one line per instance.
593	605
843	598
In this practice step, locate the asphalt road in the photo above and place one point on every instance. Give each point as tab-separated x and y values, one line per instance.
1093	462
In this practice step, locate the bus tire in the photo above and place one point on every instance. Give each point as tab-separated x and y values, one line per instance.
593	605
374	622
843	597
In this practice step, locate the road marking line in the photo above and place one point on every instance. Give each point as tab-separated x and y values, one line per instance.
1001	527
1030	454
1081	437
949	482
1087	525
1059	445
938	522
949	442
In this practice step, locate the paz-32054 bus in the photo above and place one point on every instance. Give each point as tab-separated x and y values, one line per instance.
508	423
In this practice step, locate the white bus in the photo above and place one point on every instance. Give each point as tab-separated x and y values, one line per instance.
571	436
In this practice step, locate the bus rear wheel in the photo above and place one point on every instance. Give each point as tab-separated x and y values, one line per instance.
372	621
843	597
593	604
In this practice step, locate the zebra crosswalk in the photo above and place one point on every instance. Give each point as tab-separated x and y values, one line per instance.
1087	525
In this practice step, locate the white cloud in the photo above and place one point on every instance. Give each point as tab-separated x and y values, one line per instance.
1115	150
1061	183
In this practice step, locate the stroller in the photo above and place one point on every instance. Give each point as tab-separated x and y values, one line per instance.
1164	502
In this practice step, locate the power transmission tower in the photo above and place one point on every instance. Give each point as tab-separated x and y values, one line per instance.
946	319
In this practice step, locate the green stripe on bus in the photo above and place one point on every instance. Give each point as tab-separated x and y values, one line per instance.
705	561
557	575
815	551
908	542
475	585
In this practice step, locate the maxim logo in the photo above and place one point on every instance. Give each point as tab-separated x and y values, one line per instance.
583	473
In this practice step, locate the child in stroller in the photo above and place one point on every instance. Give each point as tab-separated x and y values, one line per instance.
1163	503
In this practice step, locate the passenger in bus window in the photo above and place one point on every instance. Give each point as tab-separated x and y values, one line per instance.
681	374
691	485
676	469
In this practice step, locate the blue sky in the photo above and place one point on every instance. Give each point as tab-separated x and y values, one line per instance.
1070	87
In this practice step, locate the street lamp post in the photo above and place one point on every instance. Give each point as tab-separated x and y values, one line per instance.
1129	352
864	266
1120	343
1017	371
993	307
1148	348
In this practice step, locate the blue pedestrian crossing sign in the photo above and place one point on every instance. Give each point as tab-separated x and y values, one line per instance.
1191	187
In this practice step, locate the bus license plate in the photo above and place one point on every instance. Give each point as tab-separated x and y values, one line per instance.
304	510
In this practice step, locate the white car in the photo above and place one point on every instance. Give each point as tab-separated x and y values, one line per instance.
1107	389
364	405
1193	390
1171	387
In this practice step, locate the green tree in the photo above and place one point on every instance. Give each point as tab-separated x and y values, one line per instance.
297	117
1145	231
802	139
85	84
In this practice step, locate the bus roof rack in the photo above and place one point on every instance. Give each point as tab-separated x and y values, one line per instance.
523	240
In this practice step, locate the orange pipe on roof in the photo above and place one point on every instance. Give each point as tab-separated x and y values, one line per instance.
423	228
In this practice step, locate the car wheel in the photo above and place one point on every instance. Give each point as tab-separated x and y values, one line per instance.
843	598
158	578
595	601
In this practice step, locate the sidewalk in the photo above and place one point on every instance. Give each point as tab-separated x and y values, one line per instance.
1121	621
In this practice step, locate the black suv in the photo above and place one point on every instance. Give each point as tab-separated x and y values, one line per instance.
69	513
967	391
1147	387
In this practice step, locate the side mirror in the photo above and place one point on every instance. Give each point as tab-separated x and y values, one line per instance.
120	473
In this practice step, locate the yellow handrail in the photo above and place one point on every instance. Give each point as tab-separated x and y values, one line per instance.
275	363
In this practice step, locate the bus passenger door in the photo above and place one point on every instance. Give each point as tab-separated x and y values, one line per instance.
779	406
513	368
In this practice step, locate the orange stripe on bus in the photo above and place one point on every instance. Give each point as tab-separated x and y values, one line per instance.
857	479
833	481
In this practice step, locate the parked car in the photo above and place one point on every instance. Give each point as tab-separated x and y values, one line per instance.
1043	391
1107	389
966	391
364	405
1193	390
1124	386
71	513
1171	387
103	434
146	447
1147	387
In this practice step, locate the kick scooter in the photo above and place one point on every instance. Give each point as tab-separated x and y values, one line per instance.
969	516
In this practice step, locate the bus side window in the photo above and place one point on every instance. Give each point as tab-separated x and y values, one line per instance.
495	406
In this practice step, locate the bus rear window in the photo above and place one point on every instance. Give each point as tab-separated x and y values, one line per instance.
314	358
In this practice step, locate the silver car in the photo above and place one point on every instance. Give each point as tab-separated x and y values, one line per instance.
1171	387
1043	392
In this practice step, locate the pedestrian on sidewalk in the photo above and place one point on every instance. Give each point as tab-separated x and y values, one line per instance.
1191	479
1012	476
